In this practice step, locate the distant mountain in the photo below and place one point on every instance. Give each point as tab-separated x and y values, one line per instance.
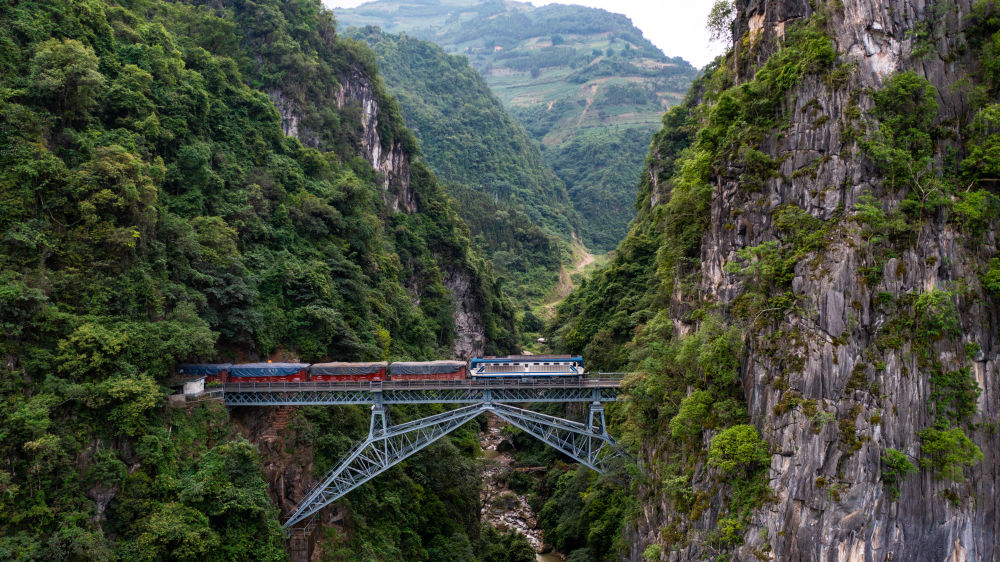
517	209
584	82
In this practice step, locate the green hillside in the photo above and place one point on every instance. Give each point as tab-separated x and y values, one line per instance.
585	83
153	212
516	208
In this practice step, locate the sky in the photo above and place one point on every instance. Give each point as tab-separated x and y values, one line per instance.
677	27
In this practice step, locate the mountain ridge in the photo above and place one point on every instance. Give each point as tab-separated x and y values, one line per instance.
581	80
517	209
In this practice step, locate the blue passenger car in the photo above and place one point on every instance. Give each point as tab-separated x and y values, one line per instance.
527	366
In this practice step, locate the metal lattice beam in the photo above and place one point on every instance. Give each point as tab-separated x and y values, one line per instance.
421	392
387	445
590	445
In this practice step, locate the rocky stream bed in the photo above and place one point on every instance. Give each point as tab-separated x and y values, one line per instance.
502	507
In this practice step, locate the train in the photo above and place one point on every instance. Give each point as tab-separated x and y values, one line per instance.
478	368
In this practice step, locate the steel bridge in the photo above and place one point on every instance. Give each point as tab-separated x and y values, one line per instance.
386	444
506	391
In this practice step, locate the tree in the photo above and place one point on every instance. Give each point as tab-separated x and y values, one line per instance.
692	415
508	546
948	452
738	449
720	21
64	75
229	488
136	397
896	468
175	531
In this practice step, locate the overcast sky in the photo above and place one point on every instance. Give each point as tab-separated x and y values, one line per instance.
675	26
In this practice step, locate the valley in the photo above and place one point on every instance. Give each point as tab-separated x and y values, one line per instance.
238	238
584	82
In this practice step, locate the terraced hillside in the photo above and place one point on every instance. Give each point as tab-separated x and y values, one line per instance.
584	82
517	210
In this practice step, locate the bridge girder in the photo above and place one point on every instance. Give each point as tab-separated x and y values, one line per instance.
386	445
421	392
292	397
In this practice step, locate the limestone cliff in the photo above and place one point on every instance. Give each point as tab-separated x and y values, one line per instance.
355	90
827	389
358	95
391	162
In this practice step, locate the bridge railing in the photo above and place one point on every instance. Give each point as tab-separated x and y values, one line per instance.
469	384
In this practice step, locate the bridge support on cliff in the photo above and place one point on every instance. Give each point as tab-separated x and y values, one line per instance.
386	445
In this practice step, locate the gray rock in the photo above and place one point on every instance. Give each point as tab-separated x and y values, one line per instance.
830	503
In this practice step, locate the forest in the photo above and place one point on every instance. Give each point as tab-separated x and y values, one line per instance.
154	211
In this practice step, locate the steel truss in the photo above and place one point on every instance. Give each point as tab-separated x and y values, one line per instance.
386	445
302	394
588	444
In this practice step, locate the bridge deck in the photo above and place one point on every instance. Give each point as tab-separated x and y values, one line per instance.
601	389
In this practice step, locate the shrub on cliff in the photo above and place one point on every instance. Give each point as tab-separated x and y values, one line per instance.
738	449
948	452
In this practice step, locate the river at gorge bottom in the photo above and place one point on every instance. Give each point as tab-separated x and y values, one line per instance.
501	506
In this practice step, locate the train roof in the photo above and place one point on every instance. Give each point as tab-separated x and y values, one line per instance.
352	363
348	368
530	358
202	369
425	367
266	369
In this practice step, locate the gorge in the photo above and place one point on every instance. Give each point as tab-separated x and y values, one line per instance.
805	302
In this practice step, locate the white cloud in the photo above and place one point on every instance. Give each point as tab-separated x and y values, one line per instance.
677	27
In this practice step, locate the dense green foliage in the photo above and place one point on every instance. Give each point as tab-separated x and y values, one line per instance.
498	546
738	449
621	318
595	164
584	82
625	317
152	211
948	451
583	514
516	208
896	468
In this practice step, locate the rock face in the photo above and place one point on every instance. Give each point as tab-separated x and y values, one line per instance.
391	162
287	462
470	333
356	91
388	158
501	507
393	165
830	502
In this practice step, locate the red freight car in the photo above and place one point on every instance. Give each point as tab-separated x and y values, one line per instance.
213	372
427	370
343	372
269	372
